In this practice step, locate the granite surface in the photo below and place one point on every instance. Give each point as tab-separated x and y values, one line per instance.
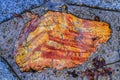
6	73
9	7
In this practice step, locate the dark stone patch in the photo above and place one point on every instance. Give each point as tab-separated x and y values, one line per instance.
73	73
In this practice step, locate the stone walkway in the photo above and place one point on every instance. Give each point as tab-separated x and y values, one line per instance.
5	71
9	7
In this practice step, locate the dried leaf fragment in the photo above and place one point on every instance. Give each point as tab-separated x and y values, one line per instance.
58	40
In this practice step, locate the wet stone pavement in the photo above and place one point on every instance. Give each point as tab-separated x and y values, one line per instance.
110	51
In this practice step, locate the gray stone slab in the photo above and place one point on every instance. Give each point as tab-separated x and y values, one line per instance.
6	73
9	7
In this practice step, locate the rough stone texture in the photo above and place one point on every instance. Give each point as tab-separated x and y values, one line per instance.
9	7
10	30
108	4
5	71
